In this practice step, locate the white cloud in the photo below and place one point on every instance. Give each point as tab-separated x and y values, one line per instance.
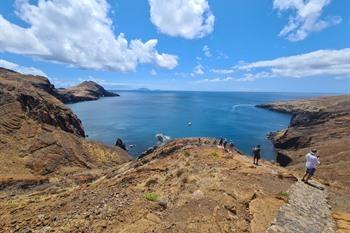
215	80
222	55
78	33
307	18
222	71
330	63
206	51
21	69
183	18
153	72
198	69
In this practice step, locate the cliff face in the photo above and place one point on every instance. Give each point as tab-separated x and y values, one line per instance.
322	123
85	91
187	185
35	98
41	136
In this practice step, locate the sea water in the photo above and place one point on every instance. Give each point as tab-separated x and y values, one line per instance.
137	116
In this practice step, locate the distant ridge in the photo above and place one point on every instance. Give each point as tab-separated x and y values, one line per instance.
85	91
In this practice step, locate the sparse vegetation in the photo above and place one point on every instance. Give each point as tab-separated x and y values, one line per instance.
214	155
280	133
152	196
283	194
187	154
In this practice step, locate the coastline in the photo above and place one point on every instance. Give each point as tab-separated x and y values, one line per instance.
321	123
138	116
71	183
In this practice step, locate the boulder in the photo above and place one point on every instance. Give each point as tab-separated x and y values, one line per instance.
120	143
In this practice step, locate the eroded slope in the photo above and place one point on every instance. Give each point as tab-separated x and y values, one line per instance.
184	186
40	136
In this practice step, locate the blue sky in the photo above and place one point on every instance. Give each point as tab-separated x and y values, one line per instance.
215	45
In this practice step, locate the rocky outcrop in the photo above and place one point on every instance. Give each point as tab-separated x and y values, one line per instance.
35	98
322	123
40	136
186	185
85	91
283	159
119	143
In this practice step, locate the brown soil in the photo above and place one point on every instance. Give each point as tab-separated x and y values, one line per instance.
40	136
324	124
194	186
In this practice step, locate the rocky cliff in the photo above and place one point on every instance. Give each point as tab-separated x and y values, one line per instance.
40	136
85	91
322	123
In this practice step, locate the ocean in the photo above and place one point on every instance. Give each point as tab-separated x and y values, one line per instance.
137	116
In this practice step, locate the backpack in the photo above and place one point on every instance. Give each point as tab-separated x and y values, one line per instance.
256	151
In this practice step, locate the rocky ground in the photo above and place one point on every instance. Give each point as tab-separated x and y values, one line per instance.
322	123
54	180
42	139
307	210
185	186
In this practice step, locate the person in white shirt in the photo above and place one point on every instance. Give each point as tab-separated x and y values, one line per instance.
312	161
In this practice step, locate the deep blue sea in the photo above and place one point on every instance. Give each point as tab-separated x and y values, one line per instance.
137	116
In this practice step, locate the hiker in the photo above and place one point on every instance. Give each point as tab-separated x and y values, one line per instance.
225	143
256	154
231	146
221	141
312	161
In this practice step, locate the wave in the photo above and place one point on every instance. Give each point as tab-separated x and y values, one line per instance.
235	107
161	138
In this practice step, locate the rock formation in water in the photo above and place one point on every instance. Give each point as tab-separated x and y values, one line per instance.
40	136
322	123
119	143
85	91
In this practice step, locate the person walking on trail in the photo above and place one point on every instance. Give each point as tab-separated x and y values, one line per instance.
256	154
225	143
221	141
312	161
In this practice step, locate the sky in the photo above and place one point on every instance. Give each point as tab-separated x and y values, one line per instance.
199	45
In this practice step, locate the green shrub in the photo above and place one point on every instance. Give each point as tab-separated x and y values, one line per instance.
187	154
151	196
283	194
214	155
280	133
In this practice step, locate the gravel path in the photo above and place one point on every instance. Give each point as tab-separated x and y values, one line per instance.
306	211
